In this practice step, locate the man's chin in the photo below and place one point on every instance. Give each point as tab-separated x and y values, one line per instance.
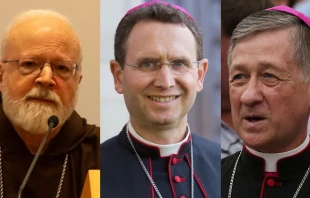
38	127
31	114
160	120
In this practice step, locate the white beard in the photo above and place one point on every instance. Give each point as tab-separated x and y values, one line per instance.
32	116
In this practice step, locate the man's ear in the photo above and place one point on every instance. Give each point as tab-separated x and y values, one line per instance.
202	70
116	71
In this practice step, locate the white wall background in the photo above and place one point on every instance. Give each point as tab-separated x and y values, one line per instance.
113	110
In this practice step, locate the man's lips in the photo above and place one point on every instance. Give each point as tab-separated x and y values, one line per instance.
254	117
41	99
163	98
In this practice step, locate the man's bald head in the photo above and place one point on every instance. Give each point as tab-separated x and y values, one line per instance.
33	22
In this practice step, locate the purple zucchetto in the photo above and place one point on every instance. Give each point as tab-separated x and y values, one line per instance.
289	10
159	2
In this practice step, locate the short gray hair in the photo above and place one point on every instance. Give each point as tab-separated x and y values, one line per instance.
269	20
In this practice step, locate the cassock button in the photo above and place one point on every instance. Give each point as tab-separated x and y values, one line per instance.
182	197
270	182
179	179
176	160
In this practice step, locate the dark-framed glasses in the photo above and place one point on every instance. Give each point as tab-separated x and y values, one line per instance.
60	68
177	66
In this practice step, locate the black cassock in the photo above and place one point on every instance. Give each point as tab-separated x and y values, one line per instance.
76	139
122	175
251	181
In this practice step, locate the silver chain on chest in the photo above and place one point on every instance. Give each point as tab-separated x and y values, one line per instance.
234	172
60	182
148	174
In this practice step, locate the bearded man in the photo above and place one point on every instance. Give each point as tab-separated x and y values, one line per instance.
40	71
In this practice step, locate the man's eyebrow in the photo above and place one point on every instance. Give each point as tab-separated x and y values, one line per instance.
261	64
237	67
159	59
269	65
146	58
182	57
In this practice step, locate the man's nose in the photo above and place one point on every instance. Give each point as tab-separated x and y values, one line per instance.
252	94
46	76
165	78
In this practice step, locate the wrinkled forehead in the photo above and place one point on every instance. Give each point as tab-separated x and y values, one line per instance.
45	31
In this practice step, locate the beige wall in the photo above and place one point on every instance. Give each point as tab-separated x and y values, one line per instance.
84	16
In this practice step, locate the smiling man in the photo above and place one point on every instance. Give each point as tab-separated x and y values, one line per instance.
159	69
270	99
40	71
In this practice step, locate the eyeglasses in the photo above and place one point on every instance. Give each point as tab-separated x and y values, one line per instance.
63	69
178	66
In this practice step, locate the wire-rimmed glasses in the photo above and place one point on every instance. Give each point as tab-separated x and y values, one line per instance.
60	68
177	66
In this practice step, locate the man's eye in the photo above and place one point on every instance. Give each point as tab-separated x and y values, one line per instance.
179	63
62	68
147	64
28	64
269	76
238	77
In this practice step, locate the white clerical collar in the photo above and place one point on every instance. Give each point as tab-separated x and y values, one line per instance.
271	159
165	150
